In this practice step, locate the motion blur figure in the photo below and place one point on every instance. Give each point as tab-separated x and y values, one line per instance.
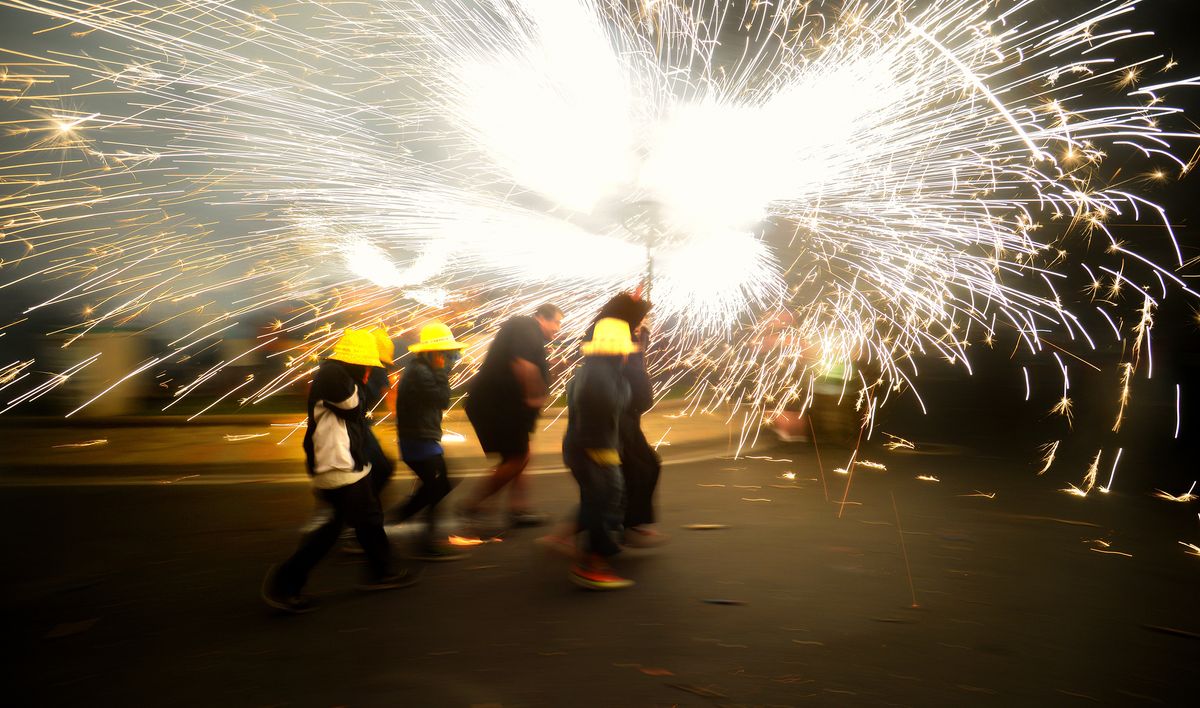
503	404
597	397
423	396
336	456
640	463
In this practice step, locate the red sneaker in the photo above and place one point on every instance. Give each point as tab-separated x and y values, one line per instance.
598	575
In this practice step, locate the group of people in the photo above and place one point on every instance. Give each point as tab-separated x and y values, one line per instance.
604	447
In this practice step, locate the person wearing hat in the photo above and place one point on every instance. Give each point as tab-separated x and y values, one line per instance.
336	457
597	396
640	463
423	396
373	391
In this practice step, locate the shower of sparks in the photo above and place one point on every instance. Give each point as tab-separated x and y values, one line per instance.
820	189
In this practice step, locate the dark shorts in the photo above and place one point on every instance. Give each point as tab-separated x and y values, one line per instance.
503	430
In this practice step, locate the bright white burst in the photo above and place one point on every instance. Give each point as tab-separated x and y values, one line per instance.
810	182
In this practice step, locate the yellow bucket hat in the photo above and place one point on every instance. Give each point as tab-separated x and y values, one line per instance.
357	346
385	345
609	338
436	337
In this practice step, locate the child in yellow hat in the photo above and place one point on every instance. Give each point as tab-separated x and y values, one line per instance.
597	396
423	395
338	462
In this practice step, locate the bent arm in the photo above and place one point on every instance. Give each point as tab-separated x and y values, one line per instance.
533	386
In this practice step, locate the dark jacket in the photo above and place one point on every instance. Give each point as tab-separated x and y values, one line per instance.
337	421
596	398
423	394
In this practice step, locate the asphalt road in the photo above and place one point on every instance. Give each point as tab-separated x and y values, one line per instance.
147	594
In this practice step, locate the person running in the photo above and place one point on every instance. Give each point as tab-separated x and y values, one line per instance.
503	403
423	395
375	388
640	463
337	463
596	398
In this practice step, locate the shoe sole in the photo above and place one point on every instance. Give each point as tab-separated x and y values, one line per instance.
592	585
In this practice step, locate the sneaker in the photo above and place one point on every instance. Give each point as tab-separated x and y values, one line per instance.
644	537
598	576
292	604
389	582
561	545
528	518
438	552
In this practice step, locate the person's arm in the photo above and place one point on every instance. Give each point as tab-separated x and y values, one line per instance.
428	385
338	392
533	386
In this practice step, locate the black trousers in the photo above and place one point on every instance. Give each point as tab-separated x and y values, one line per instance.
641	467
355	505
435	484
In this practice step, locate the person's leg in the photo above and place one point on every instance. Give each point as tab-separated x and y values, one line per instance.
518	490
422	496
434	486
600	506
360	507
600	512
439	486
292	575
509	469
641	473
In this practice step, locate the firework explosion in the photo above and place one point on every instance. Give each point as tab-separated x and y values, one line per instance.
810	183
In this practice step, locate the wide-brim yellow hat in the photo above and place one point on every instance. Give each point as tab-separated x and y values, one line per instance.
436	337
610	337
357	346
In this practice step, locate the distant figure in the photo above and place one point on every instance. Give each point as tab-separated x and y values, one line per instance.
336	455
423	396
503	403
596	398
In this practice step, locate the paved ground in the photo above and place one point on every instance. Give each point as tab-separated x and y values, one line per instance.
146	594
